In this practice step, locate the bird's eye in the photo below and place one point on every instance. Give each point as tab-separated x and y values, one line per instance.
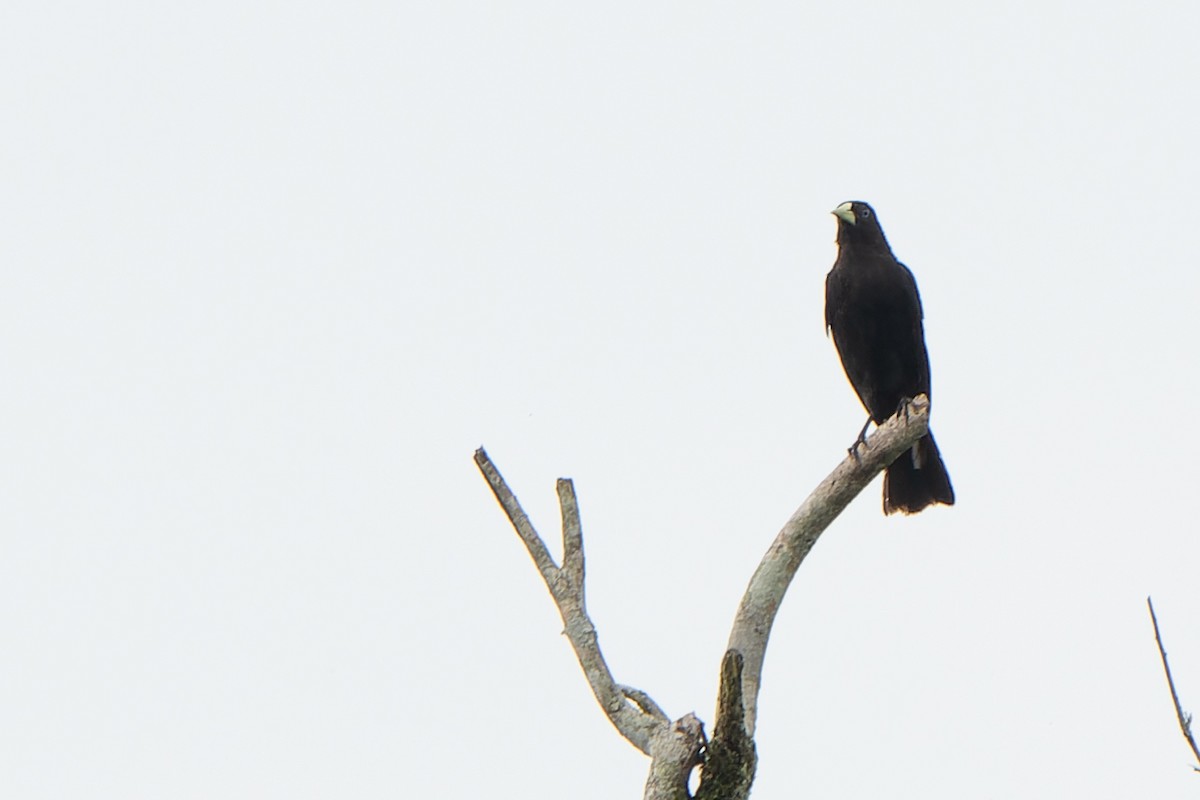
865	213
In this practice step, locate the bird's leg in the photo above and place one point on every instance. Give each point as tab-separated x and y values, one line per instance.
906	404
861	440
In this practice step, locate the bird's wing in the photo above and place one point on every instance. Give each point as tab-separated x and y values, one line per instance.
912	282
833	296
918	333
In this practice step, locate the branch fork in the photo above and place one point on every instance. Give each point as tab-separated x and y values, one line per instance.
631	711
677	747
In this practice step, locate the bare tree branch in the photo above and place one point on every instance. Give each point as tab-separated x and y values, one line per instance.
730	759
1185	719
518	518
752	626
675	747
640	721
572	533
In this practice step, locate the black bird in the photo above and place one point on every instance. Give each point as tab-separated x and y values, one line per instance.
873	309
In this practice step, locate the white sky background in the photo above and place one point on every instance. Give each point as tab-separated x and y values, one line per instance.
272	272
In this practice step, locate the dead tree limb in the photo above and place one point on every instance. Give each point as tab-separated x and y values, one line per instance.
678	747
1185	719
756	614
730	759
638	721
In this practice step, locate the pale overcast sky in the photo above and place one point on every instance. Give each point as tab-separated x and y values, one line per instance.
272	272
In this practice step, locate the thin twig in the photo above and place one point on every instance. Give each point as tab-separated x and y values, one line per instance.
645	702
518	517
752	626
1185	719
635	717
572	534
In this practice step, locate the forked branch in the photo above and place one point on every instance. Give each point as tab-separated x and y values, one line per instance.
639	720
675	747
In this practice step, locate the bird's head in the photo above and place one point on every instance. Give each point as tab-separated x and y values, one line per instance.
858	225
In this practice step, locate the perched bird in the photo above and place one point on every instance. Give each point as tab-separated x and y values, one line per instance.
873	310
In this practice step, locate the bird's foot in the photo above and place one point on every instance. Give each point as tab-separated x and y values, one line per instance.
860	441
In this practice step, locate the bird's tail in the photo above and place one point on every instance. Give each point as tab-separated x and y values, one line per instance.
917	479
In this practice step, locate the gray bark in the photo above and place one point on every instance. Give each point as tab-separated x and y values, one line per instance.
756	614
677	747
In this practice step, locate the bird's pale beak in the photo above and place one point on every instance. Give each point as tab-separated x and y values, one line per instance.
845	213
